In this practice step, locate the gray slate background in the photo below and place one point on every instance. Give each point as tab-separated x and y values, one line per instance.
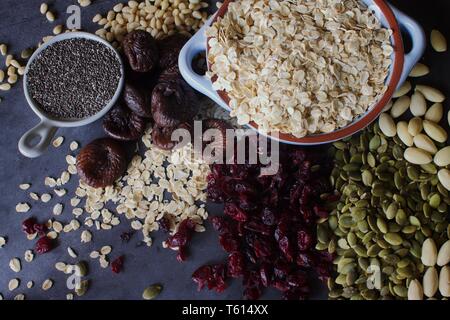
22	26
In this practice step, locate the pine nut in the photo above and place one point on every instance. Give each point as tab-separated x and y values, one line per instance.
44	8
58	29
50	16
3	49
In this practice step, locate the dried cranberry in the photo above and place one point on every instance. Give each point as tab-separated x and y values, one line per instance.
236	265
213	277
234	212
268	222
180	240
304	240
44	244
117	264
229	243
41	229
28	226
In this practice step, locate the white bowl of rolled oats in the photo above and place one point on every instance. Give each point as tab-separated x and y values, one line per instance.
304	71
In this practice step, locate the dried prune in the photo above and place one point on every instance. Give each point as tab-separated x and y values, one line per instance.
173	102
101	162
169	49
138	99
141	51
123	124
117	264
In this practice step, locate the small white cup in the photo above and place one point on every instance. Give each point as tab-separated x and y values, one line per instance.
48	126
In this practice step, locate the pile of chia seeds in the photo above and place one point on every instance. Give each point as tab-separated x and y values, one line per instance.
74	78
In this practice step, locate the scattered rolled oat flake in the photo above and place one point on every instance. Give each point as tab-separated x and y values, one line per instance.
1	296
52	235
22	207
34	196
30	284
46	197
105	250
69	296
24	186
60	266
58	142
73	146
20	296
2	241
60	192
57	209
103	262
86	236
438	41
84	3
70	159
77	212
29	256
50	182
13	284
72	252
15	265
94	254
47	284
75	201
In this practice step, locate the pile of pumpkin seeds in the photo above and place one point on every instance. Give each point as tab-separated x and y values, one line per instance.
388	207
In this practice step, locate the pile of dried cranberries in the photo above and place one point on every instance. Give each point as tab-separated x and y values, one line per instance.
269	225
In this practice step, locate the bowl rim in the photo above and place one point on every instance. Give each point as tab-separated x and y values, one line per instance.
364	120
64	123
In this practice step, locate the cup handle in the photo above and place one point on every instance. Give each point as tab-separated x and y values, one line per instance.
200	83
45	132
418	40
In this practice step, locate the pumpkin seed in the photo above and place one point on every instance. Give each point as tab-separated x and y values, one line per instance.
152	292
393	238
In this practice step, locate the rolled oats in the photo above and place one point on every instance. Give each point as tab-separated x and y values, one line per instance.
308	67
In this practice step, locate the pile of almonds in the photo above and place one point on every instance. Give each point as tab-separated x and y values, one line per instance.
432	280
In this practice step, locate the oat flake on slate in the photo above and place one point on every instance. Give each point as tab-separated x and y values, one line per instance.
74	78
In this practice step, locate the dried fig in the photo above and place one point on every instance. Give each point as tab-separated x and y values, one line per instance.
141	51
123	124
169	49
162	138
138	99
222	126
199	64
173	102
101	162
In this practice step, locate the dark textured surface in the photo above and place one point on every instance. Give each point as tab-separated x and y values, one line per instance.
22	26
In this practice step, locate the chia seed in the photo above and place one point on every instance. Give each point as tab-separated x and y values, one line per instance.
74	78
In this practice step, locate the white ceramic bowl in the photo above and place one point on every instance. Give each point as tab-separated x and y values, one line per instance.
47	127
403	62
